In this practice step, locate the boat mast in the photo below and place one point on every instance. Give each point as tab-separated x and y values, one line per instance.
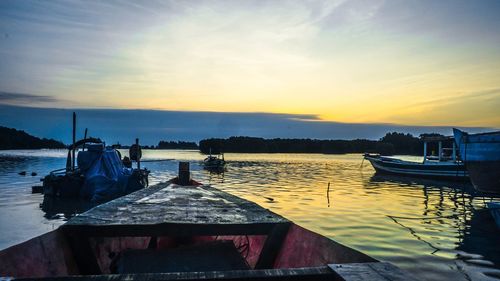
454	152
74	140
440	150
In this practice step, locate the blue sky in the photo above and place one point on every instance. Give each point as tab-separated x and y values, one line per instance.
411	63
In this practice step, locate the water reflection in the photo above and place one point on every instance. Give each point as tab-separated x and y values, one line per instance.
216	176
64	208
455	209
480	235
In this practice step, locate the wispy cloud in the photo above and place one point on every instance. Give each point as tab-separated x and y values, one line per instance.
10	98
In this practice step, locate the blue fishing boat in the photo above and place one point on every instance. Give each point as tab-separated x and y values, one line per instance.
494	208
95	172
481	155
444	166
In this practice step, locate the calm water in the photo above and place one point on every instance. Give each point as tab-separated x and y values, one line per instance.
438	231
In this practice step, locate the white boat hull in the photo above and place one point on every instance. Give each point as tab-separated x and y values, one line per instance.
437	170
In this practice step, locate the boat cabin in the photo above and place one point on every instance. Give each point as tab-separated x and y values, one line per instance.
445	147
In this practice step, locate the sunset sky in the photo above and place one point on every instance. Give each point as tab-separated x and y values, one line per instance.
422	63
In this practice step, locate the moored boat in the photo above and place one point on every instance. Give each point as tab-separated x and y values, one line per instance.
445	166
99	176
95	172
174	232
481	155
214	163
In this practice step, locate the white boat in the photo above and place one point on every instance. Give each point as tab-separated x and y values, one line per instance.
445	165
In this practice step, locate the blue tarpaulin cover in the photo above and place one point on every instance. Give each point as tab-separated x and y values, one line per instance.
105	175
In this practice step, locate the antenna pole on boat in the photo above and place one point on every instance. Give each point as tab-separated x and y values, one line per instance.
74	141
138	158
440	149
85	137
454	152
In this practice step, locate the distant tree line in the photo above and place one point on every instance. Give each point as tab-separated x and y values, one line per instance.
391	143
176	145
15	139
163	145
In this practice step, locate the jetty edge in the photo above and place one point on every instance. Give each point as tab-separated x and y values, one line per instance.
187	232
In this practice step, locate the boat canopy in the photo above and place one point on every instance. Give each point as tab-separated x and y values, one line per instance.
105	175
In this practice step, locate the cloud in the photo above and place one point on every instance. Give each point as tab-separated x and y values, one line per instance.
10	98
464	108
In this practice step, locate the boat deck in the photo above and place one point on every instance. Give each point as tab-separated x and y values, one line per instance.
161	208
172	210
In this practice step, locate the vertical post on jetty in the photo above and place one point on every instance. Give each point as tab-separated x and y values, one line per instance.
74	141
138	158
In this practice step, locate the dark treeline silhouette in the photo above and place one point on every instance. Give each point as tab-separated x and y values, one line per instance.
14	139
391	143
163	145
260	145
176	145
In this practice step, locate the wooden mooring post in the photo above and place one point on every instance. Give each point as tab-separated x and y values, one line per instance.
184	173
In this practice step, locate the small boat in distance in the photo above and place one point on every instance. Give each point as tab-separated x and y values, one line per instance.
214	163
481	155
445	165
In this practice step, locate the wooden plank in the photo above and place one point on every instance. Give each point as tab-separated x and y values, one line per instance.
376	271
172	204
272	246
310	273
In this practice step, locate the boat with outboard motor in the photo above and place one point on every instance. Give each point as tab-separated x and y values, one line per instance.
445	165
481	155
95	172
190	231
100	174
